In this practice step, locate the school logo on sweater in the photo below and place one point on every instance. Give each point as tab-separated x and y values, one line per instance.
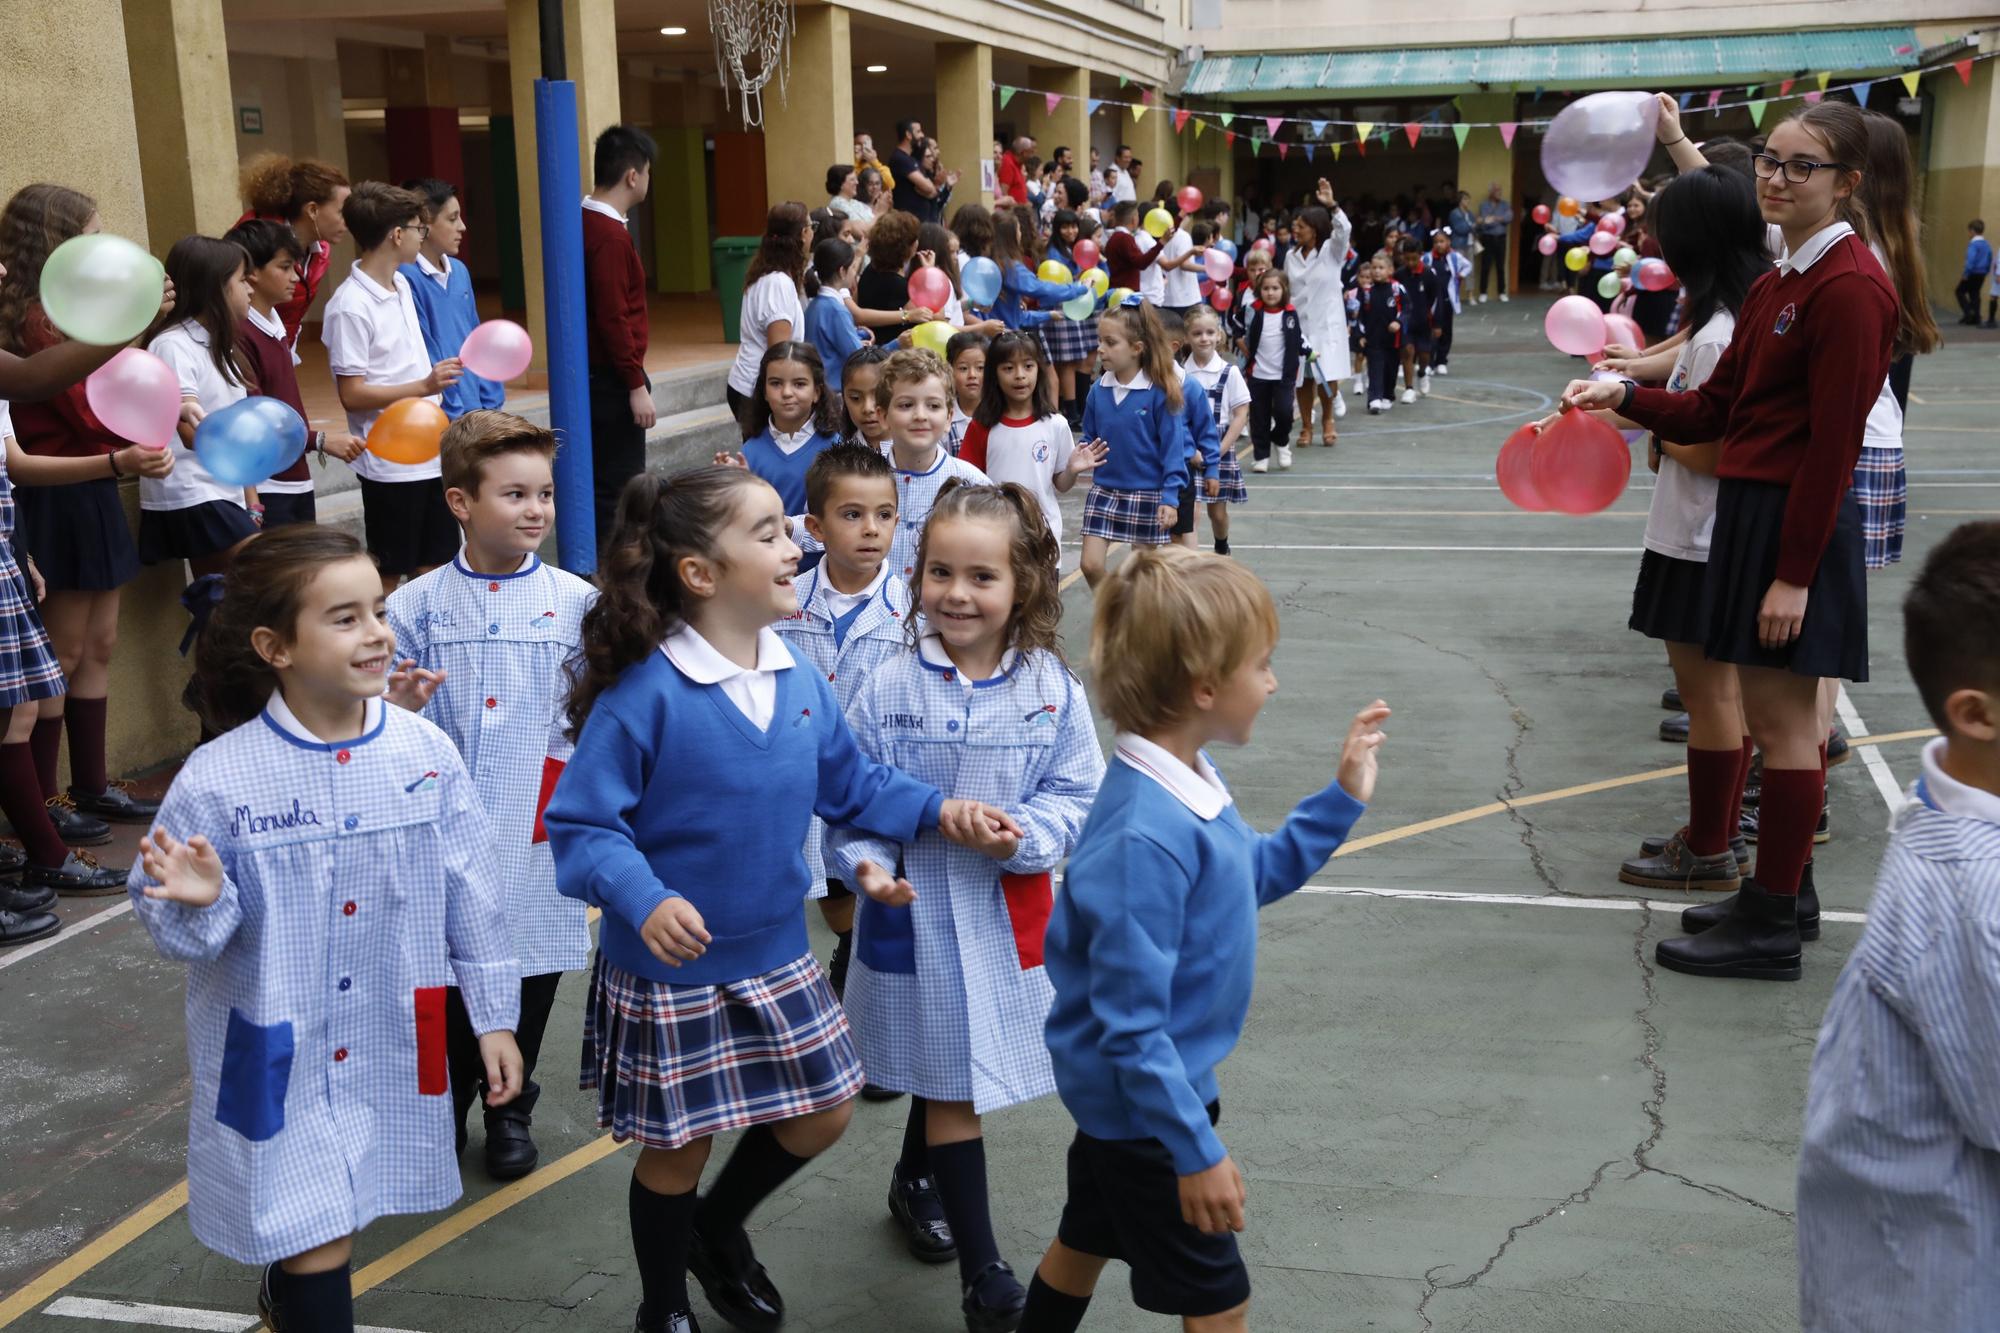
1785	319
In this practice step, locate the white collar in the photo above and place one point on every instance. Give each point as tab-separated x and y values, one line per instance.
194	331
1139	381
1200	789
1213	363
430	270
1818	244
837	293
698	660
1952	796
373	288
790	442
930	650
599	206
270	324
937	459
287	722
821	581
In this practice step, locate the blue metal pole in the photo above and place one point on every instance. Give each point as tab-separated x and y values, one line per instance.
564	341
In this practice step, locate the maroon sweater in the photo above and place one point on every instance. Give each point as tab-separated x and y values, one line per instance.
614	284
1123	260
1790	397
268	363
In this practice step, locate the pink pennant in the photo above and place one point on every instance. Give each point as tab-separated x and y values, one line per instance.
1054	100
1284	151
1413	130
1812	98
1146	96
1507	128
1181	115
1271	123
1714	96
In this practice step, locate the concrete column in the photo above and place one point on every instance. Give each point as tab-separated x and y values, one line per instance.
1961	163
810	126
178	64
680	214
1069	124
422	116
591	31
965	115
1485	159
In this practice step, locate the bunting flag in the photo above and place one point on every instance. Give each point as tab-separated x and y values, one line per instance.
1146	96
1091	108
1228	118
1414	130
1752	90
1539	90
1684	99
1122	80
1006	95
1181	115
1199	126
1714	96
1964	68
1813	97
1383	135
1138	112
1053	100
1861	90
1785	88
1459	132
1363	130
1308	151
1336	150
1284	151
1229	138
1910	81
1361	146
1272	123
1319	126
1256	145
1757	113
1822	78
1507	129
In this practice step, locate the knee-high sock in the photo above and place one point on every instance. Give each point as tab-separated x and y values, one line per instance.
960	1172
1711	793
21	801
46	744
916	1158
1052	1311
661	1227
759	1165
1789	810
315	1302
86	744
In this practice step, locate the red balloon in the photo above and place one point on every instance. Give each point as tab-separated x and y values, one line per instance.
1580	465
1512	471
1189	198
1541	215
931	289
1220	297
1086	255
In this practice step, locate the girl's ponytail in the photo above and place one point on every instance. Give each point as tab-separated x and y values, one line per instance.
1158	361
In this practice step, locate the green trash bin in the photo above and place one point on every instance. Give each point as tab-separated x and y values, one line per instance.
732	261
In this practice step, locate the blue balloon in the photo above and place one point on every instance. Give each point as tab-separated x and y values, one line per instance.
980	277
250	441
1227	246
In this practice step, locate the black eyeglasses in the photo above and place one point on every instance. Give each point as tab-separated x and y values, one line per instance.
422	229
1798	171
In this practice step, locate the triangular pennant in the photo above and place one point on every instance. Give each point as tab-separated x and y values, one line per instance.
1383	135
1229	138
1122	80
1752	90
1364	129
1181	115
1138	112
1414	130
1785	88
1813	97
1757	113
1539	90
1507	129
1319	127
1336	151
1911	80
1822	78
1006	95
1053	100
1308	151
1964	68
1146	96
1459	131
1284	151
1228	118
1272	123
1361	147
1090	108
1256	145
1199	126
1686	98
1714	96
1458	104
1861	91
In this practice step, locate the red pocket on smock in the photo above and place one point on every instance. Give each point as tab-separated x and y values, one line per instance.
1030	900
551	770
433	1071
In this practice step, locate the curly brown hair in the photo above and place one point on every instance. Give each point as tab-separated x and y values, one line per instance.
36	220
893	239
273	186
973	225
1032	553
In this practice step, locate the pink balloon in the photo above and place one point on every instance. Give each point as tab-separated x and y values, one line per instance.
1086	254
498	349
1580	464
1598	145
1512	471
1262	243
1602	243
930	288
1653	275
1613	223
1623	329
1220	297
1575	325
1547	245
1217	265
137	396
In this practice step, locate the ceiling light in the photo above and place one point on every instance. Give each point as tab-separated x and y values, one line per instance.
878	69
673	32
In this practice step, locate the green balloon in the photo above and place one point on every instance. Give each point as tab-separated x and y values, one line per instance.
1625	257
102	289
1079	307
1608	286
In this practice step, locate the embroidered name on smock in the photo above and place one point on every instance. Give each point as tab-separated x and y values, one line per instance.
246	821
906	721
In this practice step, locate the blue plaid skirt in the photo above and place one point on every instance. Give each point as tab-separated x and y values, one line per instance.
1125	516
1880	487
28	666
1070	340
672	1064
1233	490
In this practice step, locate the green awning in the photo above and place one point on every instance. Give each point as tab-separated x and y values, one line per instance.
1657	62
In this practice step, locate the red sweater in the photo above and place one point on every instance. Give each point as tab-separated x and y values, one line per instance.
614	284
1791	395
1123	259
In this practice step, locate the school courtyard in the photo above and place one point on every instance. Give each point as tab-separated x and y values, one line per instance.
1466	1099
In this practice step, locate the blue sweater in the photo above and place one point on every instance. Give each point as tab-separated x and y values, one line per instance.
786	472
1152	951
672	792
446	314
832	330
1148	439
1204	436
1978	257
1018	282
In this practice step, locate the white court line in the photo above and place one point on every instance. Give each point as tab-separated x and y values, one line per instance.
1871	756
168	1316
70	930
1480	550
1532	900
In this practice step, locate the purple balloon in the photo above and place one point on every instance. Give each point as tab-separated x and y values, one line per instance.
1598	145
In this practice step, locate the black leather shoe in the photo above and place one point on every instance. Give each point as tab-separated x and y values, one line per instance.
1678	866
1671	700
75	828
1652	847
1759	940
684	1322
735	1283
510	1148
13	860
267	1304
18	897
920	1213
115	803
1837	748
77	877
994	1300
1675	729
871	1093
1697	919
1822	831
836	966
23	927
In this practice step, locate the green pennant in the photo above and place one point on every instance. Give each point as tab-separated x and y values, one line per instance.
1384	136
1256	145
1227	118
1757	115
1752	90
1122	80
1006	95
1459	132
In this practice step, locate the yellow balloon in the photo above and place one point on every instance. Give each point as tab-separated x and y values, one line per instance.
1099	281
1116	297
1157	222
1575	258
1053	270
933	336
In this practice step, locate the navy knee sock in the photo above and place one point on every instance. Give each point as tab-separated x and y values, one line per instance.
314	1302
960	1172
916	1158
758	1166
661	1227
1052	1311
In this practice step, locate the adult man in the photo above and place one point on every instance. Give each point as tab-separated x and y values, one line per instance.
910	186
1123	188
1495	216
1013	180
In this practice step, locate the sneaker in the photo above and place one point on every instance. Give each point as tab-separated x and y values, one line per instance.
1360	386
1423	385
1837	748
1261	465
1441	369
1678	866
74	827
1409	394
1503	298
1284	457
1339	406
1482	298
1375	408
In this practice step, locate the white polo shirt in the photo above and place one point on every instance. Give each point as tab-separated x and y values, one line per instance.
184	346
372	331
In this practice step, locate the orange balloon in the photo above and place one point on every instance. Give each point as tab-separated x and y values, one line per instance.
408	431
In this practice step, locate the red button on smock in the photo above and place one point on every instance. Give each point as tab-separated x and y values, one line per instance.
340	1054
342	757
347	909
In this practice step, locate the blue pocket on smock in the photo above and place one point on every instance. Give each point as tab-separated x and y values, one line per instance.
256	1071
885	938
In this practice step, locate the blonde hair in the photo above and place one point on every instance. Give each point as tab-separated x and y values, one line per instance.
910	365
1168	619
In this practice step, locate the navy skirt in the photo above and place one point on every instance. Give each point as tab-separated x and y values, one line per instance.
78	535
1666	601
191	533
1742	562
284	508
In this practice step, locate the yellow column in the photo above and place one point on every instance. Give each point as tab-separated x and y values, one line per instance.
590	29
1068	126
1487	158
179	69
1962	181
810	124
965	115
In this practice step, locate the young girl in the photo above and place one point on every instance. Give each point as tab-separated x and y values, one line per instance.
1420	293
829	328
1380	310
1071	343
1229	400
1018	283
190	515
327	871
442	290
937	247
1255	265
1449	269
793	423
862	420
966	355
1016	433
1784	596
1276	343
707	1011
947	993
1134	413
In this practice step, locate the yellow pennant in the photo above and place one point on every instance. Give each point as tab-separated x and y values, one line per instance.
1910	81
1364	129
1823	76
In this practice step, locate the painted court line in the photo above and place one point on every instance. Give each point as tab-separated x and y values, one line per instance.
1871	757
1531	900
1470	550
70	930
169	1316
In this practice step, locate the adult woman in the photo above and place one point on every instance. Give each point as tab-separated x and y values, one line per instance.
1460	223
927	158
841	186
1496	215
773	298
308	194
871	190
882	297
1312	266
1784	597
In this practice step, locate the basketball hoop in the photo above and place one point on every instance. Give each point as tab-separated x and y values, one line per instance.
753	41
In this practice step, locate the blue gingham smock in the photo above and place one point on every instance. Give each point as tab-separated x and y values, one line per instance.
359	883
948	995
877	633
504	643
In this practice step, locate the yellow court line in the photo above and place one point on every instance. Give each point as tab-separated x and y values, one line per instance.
134	1225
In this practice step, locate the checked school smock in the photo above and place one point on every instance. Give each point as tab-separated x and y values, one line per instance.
504	642
846	653
948	996
359	883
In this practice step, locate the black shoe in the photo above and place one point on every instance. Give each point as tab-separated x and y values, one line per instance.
267	1304
1759	940
683	1322
1675	729
1837	748
510	1148
22	927
1671	700
79	876
1753	783
1822	831
1678	866
1653	846
116	804
734	1282
1989	324
994	1300
18	897
1697	919
871	1093
13	860
920	1213
1222	546
1969	321
836	966
75	828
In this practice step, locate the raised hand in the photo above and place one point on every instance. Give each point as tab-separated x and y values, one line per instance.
1357	753
1088	456
411	686
724	458
882	886
674	932
188	872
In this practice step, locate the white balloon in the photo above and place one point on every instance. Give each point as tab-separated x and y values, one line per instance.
1597	146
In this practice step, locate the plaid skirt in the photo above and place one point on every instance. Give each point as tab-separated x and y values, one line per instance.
1125	516
672	1064
28	666
1233	490
1070	340
1880	487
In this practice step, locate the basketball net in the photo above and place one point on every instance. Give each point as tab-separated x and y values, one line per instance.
753	41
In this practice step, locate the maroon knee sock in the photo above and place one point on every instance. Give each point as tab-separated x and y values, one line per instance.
46	744
1744	764
21	801
1789	810
1822	757
86	745
1711	778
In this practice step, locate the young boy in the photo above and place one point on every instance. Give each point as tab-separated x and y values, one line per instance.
914	394
1899	1171
614	299
1420	291
1152	946
443	293
966	355
376	350
491	634
1380	310
1204	437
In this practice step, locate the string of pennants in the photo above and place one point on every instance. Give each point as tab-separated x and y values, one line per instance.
1313	134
